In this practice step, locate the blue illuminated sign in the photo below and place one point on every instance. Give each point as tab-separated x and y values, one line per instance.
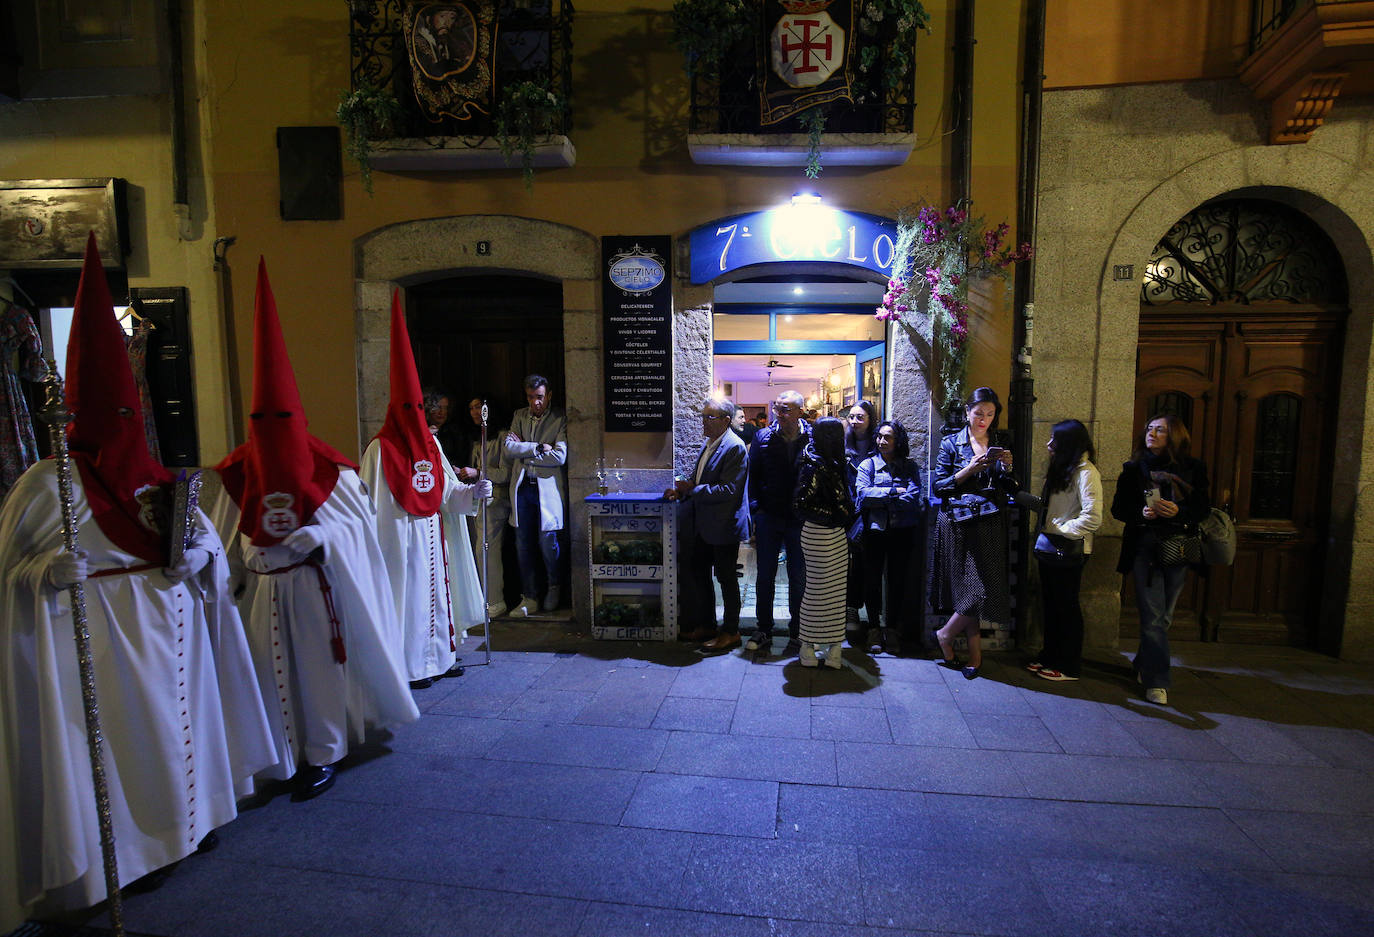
792	233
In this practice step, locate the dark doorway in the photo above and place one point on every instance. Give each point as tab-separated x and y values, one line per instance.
480	336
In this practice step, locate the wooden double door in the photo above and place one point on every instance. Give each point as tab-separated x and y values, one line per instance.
1258	388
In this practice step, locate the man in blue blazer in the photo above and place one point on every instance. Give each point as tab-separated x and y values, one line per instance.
714	519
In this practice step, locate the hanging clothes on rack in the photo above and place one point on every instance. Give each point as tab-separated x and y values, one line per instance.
137	344
21	357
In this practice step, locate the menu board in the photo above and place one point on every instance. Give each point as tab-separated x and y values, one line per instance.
637	306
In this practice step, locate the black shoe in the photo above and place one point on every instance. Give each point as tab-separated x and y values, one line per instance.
793	647
455	671
209	843
150	882
312	781
424	683
969	672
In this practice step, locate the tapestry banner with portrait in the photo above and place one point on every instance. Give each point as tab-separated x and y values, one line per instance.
452	48
809	56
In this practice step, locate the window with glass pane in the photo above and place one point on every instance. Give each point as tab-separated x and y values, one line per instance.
1277	422
829	326
739	328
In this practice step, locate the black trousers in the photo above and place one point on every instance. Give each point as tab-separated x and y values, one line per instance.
699	596
887	551
1059	586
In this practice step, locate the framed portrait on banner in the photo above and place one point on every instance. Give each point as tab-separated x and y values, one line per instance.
451	48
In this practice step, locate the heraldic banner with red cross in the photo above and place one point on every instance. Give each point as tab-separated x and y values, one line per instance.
807	60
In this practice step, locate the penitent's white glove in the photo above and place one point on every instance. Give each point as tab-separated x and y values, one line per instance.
191	562
483	489
67	568
304	540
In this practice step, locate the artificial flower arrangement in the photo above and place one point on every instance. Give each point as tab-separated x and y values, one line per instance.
947	249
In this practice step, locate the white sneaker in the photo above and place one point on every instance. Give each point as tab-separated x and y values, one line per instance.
496	610
833	658
527	606
1157	695
808	655
759	641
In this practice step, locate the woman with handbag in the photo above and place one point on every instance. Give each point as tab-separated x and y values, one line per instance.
888	496
824	500
969	576
1160	497
1071	509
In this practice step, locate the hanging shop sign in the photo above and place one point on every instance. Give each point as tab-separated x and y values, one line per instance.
44	222
637	305
793	233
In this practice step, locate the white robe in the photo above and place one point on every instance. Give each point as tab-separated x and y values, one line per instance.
316	705
435	601
181	715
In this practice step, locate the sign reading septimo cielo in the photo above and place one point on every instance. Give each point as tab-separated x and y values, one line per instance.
637	303
794	233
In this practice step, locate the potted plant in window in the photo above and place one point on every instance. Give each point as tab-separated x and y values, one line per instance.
367	113
525	112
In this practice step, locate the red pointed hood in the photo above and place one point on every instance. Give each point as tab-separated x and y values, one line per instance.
282	474
410	453
121	479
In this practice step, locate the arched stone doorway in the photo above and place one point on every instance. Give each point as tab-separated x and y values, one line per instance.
1330	201
1242	317
414	252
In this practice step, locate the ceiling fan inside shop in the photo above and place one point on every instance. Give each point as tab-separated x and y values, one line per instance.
774	363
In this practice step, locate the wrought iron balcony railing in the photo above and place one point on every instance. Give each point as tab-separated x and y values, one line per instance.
1268	16
533	43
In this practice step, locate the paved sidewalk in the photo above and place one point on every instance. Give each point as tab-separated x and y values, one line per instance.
606	789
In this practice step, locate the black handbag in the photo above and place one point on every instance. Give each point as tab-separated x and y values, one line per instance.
1178	549
1058	550
970	506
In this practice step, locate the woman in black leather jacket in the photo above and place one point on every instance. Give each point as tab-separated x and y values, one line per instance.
969	576
824	500
1162	491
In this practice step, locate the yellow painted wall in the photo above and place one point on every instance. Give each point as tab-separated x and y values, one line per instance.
1113	42
261	64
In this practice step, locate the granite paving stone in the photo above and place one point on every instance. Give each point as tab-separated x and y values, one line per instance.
916	768
609	920
849	723
432	909
1010	733
1110	780
1203	837
540	704
899	819
695	714
704	805
1283	905
1338	746
951	895
1165	739
804	761
594	746
777	878
913	720
1330	844
1299	788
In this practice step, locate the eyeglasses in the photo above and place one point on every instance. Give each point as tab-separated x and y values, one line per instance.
714	416
785	407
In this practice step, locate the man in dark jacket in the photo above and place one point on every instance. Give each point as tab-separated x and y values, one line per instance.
773	457
714	521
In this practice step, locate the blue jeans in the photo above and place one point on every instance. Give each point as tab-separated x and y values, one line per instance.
1156	593
770	535
531	543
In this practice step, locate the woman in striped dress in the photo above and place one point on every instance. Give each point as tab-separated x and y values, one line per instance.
825	501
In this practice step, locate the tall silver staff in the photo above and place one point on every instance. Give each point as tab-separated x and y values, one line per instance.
481	477
57	416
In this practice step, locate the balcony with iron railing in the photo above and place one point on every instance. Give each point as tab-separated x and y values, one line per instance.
1304	54
872	126
532	49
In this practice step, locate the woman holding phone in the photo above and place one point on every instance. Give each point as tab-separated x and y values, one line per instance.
970	577
1161	493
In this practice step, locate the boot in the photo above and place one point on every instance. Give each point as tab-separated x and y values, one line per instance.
892	639
875	641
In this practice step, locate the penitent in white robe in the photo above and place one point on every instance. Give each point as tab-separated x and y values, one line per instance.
316	705
433	575
181	715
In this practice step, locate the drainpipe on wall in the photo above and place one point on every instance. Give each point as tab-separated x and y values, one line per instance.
961	151
181	206
1022	402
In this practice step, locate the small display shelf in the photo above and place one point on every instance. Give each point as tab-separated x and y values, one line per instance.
633	582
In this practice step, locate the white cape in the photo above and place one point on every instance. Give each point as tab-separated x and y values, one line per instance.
182	719
315	704
435	601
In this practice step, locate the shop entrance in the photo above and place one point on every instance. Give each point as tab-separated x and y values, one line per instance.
817	337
